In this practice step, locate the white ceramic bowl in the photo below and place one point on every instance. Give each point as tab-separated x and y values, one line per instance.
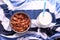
44	20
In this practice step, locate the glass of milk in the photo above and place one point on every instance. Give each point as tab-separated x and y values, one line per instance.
44	20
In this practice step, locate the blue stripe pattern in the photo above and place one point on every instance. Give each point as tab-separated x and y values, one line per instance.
58	7
17	3
32	35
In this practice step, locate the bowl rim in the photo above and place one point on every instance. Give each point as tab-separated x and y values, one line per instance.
24	14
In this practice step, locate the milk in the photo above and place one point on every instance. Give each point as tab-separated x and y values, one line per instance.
44	19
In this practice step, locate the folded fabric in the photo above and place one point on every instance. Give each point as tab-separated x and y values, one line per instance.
5	20
32	8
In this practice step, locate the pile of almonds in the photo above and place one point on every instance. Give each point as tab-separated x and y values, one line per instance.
20	22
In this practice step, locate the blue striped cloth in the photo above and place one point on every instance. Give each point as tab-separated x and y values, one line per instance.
58	7
17	3
31	14
57	2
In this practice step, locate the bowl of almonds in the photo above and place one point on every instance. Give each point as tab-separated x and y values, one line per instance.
20	22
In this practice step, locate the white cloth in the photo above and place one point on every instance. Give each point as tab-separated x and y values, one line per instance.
31	5
5	20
